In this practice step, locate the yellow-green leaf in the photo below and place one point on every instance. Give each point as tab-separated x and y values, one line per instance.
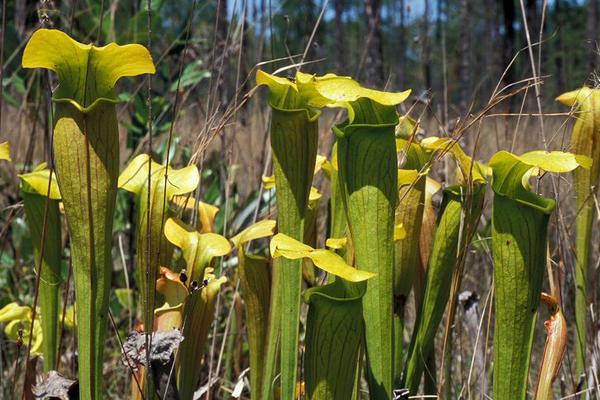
336	243
466	164
14	328
258	230
13	311
399	232
555	161
284	246
337	90
171	287
199	249
575	96
207	213
180	181
5	151
37	182
75	62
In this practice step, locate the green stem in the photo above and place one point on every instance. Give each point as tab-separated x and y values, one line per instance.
87	166
368	176
256	290
294	137
519	247
334	332
583	221
444	260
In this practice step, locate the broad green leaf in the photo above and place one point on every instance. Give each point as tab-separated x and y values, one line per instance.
519	240
198	316
334	333
285	246
78	65
511	174
585	140
5	151
555	161
460	208
255	280
368	182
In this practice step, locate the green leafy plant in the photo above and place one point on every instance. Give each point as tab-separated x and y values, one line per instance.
334	334
367	172
519	239
198	294
153	250
255	278
461	208
409	215
585	140
86	153
294	138
333	308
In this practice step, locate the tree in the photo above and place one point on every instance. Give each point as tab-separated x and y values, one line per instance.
402	45
592	35
425	53
339	34
374	55
463	63
508	40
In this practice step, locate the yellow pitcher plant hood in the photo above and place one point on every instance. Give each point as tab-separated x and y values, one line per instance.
199	249
329	261
75	62
36	182
180	181
5	151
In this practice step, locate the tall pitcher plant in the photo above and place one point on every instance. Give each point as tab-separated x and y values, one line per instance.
294	138
519	242
86	149
412	176
457	222
154	250
585	139
369	180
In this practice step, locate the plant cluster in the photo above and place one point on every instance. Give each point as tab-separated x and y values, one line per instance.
386	240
